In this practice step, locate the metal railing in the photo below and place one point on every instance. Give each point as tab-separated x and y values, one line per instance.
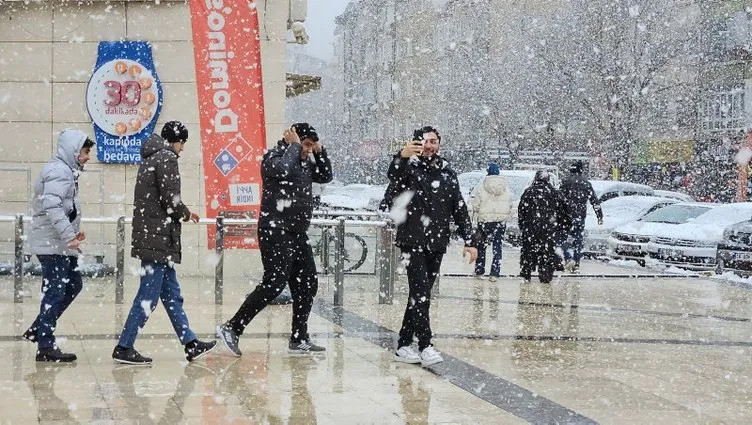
385	252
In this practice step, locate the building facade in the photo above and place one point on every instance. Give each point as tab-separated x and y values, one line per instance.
47	52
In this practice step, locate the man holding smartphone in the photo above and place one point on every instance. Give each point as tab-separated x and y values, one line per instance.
423	181
288	172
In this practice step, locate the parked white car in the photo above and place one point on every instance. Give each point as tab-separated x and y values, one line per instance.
616	212
353	197
629	241
608	189
694	244
682	197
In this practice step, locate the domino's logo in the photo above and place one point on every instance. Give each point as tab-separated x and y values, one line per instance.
226	162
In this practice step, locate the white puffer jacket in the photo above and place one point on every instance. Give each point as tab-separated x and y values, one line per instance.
491	200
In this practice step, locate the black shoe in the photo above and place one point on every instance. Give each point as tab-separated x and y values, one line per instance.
229	338
196	349
54	355
30	335
129	356
304	347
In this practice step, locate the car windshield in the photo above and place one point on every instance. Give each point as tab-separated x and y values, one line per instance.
675	214
628	207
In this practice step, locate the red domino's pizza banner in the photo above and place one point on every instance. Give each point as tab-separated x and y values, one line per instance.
231	110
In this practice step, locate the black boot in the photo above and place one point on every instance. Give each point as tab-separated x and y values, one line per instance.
129	356
54	354
196	349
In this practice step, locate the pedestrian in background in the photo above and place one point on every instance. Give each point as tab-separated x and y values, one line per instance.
542	214
578	191
492	206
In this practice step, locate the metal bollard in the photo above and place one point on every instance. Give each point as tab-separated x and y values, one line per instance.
18	264
339	262
325	249
219	269
386	266
120	260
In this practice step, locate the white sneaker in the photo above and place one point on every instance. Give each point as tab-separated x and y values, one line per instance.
407	355
480	277
493	279
430	356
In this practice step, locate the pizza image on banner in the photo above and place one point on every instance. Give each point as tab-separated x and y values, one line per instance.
227	54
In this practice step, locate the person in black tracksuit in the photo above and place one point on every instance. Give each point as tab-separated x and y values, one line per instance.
287	172
543	214
424	191
578	191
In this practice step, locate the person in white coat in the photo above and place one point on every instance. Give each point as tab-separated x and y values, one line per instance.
492	207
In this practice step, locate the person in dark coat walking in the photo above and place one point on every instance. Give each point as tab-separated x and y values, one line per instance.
424	197
288	172
577	190
155	240
55	238
542	214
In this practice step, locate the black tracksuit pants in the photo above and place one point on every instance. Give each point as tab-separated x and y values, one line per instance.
422	269
288	259
538	254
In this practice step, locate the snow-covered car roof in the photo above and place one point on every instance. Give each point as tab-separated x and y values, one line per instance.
670	194
353	196
605	186
624	209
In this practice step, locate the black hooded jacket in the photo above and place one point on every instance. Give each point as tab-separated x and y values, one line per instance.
435	202
157	206
287	198
578	191
542	213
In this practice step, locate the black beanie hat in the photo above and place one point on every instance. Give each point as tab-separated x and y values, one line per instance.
174	132
304	130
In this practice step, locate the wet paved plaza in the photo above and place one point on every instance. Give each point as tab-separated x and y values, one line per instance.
620	350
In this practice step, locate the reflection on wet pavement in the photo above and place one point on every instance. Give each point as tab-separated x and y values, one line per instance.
581	350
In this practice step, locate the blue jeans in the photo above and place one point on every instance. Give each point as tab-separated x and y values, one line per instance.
61	283
576	233
491	232
159	282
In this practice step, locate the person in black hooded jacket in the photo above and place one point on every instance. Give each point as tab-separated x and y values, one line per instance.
543	215
288	173
424	197
577	190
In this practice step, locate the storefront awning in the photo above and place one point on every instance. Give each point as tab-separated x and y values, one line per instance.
298	84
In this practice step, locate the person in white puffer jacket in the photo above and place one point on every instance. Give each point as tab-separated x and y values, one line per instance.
492	207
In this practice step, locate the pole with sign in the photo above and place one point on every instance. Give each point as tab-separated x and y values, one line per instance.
227	54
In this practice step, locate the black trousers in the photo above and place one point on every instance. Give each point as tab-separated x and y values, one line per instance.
288	260
422	269
538	254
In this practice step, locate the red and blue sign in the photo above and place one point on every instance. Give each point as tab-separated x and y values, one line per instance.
124	98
